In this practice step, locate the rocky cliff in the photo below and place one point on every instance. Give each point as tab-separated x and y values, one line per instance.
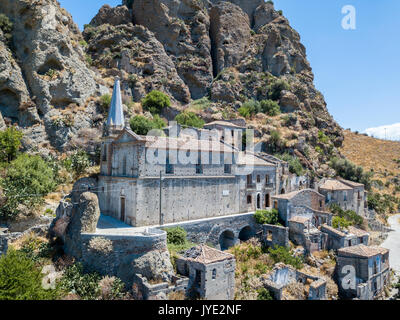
222	52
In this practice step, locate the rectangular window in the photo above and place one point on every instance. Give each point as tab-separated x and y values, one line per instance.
249	179
228	168
267	179
258	178
169	168
199	166
248	199
344	196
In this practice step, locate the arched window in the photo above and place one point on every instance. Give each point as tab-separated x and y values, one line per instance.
214	274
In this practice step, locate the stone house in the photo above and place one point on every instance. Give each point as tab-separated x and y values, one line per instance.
307	203
283	275
362	272
153	180
344	238
211	272
302	232
347	194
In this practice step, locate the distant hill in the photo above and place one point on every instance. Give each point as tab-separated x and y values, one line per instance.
376	154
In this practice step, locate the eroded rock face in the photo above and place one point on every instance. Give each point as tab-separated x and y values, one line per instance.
46	42
230	35
114	16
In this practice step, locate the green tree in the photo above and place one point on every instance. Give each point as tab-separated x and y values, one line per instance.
283	254
276	88
6	26
176	235
10	142
189	119
20	279
79	162
105	101
349	171
142	125
155	101
27	179
295	165
267	217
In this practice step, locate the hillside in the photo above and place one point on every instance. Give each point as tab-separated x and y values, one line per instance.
374	154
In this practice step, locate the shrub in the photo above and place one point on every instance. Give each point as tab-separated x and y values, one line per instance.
349	171
267	216
176	236
276	88
189	119
340	222
78	162
111	288
322	137
275	138
283	254
10	142
249	108
105	101
142	125
20	279
27	179
6	26
270	107
155	101
295	165
85	285
264	294
347	218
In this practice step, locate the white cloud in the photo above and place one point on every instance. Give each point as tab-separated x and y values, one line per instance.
390	132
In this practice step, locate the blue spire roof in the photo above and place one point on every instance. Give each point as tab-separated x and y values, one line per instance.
116	113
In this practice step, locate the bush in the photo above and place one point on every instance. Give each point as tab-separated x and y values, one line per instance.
155	101
105	101
176	236
249	108
283	254
189	119
27	179
270	107
78	162
6	26
85	285
295	165
345	218
264	294
349	171
267	217
20	279
142	125
10	142
276	88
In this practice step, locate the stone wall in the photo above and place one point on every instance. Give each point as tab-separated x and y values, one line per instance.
211	231
275	235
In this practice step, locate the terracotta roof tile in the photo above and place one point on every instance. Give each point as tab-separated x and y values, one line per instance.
205	254
334	185
363	251
357	232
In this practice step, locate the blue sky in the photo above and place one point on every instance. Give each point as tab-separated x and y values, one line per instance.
356	70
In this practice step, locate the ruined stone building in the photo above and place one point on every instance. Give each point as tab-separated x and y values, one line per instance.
347	194
211	272
152	180
344	237
370	265
305	203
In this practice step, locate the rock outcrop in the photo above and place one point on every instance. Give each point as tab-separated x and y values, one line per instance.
224	52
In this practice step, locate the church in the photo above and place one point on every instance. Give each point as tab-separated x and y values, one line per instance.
159	179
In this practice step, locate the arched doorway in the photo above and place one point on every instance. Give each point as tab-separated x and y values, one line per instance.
267	200
258	201
246	233
283	191
226	240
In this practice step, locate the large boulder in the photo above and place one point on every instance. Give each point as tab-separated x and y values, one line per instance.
230	35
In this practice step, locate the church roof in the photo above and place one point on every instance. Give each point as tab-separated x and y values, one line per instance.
116	113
